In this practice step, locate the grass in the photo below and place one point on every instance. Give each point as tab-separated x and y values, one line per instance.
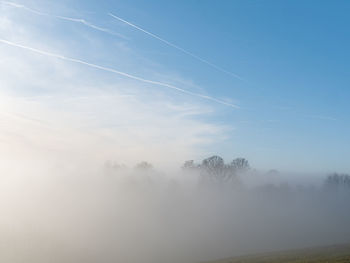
331	254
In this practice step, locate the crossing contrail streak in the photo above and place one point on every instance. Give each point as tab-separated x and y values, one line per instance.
176	47
71	19
130	76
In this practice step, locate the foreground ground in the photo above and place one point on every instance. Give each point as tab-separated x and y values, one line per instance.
331	254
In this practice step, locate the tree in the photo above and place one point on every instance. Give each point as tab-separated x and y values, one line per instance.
109	165
338	181
213	165
240	165
144	166
214	169
112	168
189	166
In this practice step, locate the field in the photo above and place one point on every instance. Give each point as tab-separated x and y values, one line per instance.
331	254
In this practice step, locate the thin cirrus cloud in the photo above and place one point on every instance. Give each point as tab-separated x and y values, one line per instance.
177	47
108	31
71	19
124	74
73	117
71	122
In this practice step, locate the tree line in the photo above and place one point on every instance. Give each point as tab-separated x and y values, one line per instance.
214	170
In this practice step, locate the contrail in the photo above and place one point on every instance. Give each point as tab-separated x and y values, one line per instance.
76	20
48	54
176	47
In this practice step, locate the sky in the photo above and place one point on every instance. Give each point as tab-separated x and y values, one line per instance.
169	81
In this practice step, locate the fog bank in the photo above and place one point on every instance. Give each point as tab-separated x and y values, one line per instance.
144	215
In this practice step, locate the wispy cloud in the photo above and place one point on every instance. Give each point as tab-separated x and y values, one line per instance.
124	74
71	19
176	47
53	108
92	118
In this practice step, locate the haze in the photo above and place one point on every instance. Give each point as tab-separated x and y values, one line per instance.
104	105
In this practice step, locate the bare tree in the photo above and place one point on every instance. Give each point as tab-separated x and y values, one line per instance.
214	169
338	181
240	165
110	165
113	168
144	166
189	166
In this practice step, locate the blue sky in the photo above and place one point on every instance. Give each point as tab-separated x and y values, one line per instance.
291	56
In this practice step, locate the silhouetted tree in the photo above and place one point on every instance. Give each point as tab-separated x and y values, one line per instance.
114	165
240	165
338	181
144	166
214	169
189	166
272	172
113	168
